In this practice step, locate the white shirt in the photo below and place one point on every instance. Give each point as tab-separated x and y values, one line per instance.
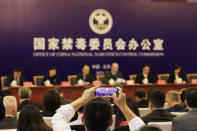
60	121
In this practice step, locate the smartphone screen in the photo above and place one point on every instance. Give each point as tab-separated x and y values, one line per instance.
105	91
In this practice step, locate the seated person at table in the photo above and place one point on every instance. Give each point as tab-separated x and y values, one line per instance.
52	78
140	96
177	77
10	121
187	122
156	104
16	79
145	77
120	121
24	94
97	113
85	77
113	75
174	102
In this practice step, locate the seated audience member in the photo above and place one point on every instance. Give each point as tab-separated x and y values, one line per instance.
9	122
120	121
141	101
61	94
24	94
156	104
174	102
51	103
177	77
78	124
30	119
112	76
2	109
52	78
97	113
149	128
145	77
187	122
16	79
85	77
183	95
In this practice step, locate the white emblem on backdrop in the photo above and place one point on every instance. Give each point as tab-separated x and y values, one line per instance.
100	21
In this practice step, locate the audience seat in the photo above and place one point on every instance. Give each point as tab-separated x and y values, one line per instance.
144	111
178	113
38	80
47	120
164	126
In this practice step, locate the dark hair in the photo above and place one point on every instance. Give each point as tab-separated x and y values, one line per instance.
2	109
51	100
119	115
177	66
141	93
183	95
157	98
97	114
30	119
149	128
17	69
191	97
52	68
145	65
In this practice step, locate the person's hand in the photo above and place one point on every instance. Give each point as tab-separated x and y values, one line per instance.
120	100
88	94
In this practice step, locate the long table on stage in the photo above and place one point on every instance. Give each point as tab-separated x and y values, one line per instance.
73	92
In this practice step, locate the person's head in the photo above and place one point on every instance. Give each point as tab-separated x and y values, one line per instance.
149	128
140	94
173	98
177	69
24	93
97	114
59	91
146	69
191	97
52	71
10	105
51	100
183	96
30	118
2	109
156	99
86	70
120	116
115	67
17	72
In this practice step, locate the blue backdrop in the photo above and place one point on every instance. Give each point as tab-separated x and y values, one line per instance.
22	21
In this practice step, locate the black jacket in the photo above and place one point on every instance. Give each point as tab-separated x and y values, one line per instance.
8	123
27	102
172	77
140	78
177	108
109	75
89	78
158	115
54	80
11	78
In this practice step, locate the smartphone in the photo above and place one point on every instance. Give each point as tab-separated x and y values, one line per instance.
105	91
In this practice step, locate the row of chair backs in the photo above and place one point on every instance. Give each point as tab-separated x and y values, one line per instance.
73	78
